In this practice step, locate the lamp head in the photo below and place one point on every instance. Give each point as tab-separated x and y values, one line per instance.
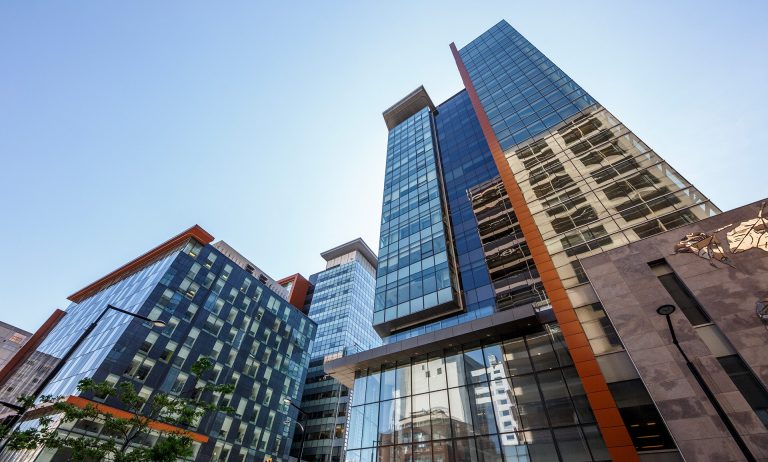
158	323
666	310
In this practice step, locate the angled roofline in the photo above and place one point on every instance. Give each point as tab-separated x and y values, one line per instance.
355	244
412	103
196	232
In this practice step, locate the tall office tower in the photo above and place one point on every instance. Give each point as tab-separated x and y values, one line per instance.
341	304
496	346
213	305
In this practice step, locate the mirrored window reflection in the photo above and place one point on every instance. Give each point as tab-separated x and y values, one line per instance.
386	422
437	375
516	400
440	416
420	374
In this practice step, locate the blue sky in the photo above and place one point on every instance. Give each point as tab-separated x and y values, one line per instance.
123	123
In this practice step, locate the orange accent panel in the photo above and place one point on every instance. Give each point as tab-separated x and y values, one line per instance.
30	346
610	416
594	383
621	453
299	290
576	340
196	232
617	436
121	414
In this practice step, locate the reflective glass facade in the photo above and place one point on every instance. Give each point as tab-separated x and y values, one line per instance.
212	308
593	185
516	400
416	277
522	92
342	307
588	184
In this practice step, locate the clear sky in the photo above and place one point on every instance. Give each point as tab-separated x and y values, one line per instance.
123	123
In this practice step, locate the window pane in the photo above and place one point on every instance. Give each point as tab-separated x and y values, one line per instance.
542	354
514	448
516	357
403	380
372	387
494	361
578	397
640	416
403	453
421	415
454	369
556	398
540	446
485	422
529	403
355	428
440	416
422	452
387	384
504	405
358	396
420	375
464	450
370	424
572	445
403	420
437	374
385	454
461	413
475	365
386	422
488	449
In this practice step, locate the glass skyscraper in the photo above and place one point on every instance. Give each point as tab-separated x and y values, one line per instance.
340	302
215	304
496	346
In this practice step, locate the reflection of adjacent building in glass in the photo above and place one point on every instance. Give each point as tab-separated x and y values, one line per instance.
213	306
491	200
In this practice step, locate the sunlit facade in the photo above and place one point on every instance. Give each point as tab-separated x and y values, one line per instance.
341	303
523	174
212	306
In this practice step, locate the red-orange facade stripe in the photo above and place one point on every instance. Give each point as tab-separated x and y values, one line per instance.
28	348
299	289
196	232
614	432
121	414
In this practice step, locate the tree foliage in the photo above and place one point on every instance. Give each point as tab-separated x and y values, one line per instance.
122	435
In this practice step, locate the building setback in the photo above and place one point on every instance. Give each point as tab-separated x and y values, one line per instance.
215	304
496	346
341	303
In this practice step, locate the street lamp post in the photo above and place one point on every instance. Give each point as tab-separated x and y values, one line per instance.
21	411
303	432
666	311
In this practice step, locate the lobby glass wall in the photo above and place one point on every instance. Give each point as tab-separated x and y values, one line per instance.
513	400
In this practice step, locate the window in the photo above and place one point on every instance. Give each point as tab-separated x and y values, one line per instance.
139	368
167	353
213	325
749	386
640	416
679	293
146	345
